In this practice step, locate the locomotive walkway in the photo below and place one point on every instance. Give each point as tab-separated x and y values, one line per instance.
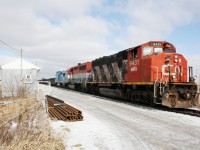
112	125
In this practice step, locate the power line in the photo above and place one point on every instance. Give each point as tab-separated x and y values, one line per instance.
19	51
11	48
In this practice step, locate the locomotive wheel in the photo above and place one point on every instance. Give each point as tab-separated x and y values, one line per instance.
173	102
150	98
129	95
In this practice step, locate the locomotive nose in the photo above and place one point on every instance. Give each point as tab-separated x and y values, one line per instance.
167	59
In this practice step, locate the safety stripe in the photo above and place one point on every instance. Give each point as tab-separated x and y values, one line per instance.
123	83
183	83
142	83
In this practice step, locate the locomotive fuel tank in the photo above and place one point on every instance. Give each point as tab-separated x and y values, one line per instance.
116	93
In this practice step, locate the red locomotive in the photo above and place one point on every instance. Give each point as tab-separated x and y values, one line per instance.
79	75
152	73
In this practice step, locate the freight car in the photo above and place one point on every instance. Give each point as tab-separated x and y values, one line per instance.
151	73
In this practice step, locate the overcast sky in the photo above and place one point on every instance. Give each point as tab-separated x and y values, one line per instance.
58	34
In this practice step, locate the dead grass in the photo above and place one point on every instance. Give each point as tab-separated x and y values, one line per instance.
23	132
39	141
77	145
10	110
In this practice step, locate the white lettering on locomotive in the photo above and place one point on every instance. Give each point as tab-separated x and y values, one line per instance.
134	68
156	44
165	70
134	62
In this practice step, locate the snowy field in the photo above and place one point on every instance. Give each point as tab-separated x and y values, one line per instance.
109	125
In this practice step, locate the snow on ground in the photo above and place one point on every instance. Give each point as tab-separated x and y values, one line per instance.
109	125
86	134
91	134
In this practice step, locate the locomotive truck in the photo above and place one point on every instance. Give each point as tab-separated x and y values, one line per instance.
152	73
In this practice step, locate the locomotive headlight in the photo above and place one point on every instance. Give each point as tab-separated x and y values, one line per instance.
167	59
175	58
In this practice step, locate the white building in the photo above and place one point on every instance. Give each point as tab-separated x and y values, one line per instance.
18	78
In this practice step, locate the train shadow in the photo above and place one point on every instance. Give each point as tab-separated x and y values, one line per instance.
118	100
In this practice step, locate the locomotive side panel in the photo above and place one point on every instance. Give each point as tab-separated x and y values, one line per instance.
80	73
110	68
134	65
139	66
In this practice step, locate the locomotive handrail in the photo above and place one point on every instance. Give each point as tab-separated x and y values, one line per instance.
154	94
156	72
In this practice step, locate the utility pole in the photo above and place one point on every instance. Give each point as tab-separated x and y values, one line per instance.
21	62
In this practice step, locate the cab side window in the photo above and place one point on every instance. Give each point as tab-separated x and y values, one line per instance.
135	54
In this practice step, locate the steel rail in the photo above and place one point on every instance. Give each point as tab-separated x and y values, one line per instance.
62	111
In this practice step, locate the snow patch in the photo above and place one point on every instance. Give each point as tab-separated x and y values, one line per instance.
87	134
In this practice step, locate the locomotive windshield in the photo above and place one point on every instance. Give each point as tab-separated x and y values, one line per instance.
148	50
168	50
158	50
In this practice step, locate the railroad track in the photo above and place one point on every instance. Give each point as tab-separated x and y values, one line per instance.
62	111
190	112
